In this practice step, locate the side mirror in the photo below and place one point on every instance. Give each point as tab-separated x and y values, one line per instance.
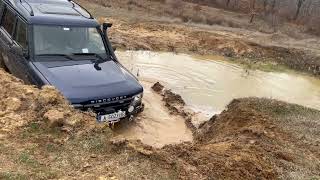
107	25
114	48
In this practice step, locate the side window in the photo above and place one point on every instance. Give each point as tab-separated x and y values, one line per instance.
8	21
21	34
1	8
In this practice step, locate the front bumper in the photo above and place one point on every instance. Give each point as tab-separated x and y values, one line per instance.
130	107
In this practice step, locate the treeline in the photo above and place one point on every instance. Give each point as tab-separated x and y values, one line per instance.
276	12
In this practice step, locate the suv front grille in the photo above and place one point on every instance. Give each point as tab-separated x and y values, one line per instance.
107	107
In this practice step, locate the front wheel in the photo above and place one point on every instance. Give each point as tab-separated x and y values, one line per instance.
3	65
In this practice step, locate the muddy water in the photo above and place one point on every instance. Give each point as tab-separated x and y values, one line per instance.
208	84
155	126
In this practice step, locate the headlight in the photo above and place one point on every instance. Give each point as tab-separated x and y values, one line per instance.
135	102
138	97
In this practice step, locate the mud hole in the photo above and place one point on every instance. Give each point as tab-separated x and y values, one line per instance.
155	126
42	137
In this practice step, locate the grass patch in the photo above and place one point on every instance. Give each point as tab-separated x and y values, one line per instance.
43	173
95	143
36	130
38	171
12	176
34	127
27	159
3	148
266	66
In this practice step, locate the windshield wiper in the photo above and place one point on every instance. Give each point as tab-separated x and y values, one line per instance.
60	55
96	62
99	57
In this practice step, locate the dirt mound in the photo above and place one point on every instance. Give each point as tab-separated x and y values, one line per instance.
22	104
244	142
157	87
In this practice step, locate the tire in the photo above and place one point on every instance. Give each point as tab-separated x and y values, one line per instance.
3	65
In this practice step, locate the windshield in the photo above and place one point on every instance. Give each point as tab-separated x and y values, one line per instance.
51	40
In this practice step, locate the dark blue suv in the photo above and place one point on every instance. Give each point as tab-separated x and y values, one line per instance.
59	43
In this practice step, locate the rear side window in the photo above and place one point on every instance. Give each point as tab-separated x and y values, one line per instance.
1	6
8	21
21	34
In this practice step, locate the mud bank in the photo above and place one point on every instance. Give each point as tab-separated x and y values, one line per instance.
23	104
251	139
177	106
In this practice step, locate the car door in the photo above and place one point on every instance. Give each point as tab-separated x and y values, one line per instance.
15	45
19	51
6	31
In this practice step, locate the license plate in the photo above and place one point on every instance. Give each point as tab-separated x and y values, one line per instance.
114	117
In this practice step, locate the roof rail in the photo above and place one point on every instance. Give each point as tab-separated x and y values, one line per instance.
31	10
73	6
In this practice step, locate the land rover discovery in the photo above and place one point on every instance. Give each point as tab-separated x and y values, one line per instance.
59	43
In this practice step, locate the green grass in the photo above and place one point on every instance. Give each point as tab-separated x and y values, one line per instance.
39	171
13	176
315	178
95	143
266	66
27	159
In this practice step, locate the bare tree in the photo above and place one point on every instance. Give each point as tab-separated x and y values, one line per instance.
299	5
253	11
265	4
273	15
227	3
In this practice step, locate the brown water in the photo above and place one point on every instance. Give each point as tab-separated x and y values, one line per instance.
155	126
208	84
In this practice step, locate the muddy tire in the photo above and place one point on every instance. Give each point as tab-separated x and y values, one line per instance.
2	65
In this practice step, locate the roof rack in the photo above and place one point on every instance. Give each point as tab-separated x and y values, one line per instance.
31	10
73	6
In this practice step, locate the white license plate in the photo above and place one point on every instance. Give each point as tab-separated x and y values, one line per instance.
114	117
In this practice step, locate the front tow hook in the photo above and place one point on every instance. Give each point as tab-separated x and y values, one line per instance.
131	118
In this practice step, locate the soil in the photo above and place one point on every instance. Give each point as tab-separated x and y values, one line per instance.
245	142
43	137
